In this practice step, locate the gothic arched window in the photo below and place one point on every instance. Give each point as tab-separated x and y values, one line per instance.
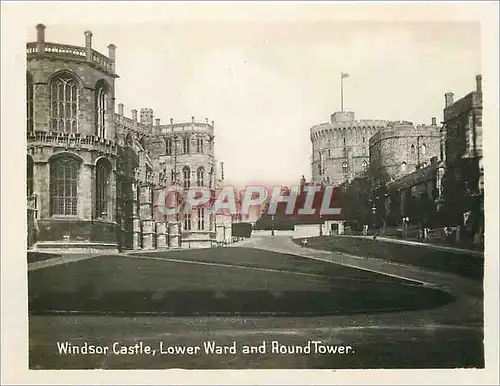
64	104
365	166
412	149
168	146
201	219
403	166
186	175
199	145
187	222
200	176
103	173
101	100
29	176
345	168
64	186
423	148
29	103
185	145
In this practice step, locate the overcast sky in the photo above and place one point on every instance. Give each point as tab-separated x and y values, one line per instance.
266	83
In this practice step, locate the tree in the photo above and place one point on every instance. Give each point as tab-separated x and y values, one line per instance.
354	200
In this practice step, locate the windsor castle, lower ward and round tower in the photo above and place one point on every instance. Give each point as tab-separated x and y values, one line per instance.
94	175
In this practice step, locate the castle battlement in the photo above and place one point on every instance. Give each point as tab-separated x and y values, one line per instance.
405	129
146	126
362	124
86	54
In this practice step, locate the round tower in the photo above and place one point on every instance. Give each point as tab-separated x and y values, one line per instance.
340	150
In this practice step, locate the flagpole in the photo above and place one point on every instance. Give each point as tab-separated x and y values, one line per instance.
341	92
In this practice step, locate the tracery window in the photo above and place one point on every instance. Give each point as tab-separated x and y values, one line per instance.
100	108
185	145
168	146
64	104
64	186
201	219
199	145
186	174
187	222
200	176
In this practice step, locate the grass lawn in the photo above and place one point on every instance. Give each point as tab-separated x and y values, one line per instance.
469	266
40	256
117	284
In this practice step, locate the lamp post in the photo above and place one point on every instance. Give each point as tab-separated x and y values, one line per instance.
374	211
272	225
320	225
406	221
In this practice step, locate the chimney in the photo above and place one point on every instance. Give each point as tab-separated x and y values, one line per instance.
40	39
120	109
433	121
157	121
213	123
88	45
134	115
206	121
448	99
112	56
479	81
171	121
192	119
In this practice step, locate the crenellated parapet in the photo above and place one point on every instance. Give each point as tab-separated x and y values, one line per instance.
335	128
405	129
57	51
151	126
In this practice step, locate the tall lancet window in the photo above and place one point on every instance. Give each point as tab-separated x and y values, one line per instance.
199	145
200	176
186	176
201	219
29	103
185	145
187	222
168	146
103	172
64	103
101	101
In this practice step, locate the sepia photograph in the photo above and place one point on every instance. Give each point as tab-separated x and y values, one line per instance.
255	193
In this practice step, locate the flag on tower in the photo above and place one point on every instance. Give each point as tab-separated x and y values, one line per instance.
344	75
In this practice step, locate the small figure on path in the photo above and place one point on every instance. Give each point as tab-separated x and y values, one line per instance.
304	243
